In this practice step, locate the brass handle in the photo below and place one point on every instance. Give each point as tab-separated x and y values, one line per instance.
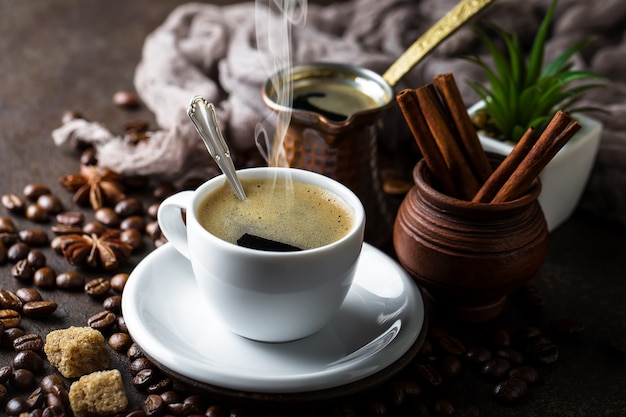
447	25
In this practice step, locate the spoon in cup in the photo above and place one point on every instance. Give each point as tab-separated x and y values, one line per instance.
202	114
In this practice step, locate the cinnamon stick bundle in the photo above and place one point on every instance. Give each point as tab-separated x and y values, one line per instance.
445	135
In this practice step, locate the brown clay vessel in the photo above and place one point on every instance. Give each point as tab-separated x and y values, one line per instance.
469	256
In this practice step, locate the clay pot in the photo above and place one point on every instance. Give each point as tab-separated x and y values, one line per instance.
469	256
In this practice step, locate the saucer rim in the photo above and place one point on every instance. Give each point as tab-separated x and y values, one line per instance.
406	353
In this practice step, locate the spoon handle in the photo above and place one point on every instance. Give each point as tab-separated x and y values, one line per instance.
202	114
444	27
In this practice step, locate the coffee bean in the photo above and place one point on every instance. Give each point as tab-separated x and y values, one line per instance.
510	354
527	374
133	237
121	324
10	318
53	411
154	406
8	299
477	355
120	342
443	408
128	207
145	377
450	344
496	369
542	350
118	281
171	397
16	406
18	251
160	386
22	271
52	384
70	281
140	364
511	390
30	341
22	379
28	359
501	338
39	309
95	228
36	399
50	203
26	294
62	229
567	326
153	209
102	321
5	374
14	203
8	238
34	237
218	411
36	259
37	214
113	304
133	222
71	218
97	287
134	352
428	373
10	334
45	278
107	217
153	230
126	99
34	190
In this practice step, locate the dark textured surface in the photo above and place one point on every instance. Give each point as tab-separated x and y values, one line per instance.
63	54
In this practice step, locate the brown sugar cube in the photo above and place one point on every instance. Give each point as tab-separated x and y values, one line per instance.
100	393
77	351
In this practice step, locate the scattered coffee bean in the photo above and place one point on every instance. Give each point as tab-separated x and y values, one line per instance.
37	214
133	222
5	374
113	304
107	217
118	281
8	299
121	324
450	344
567	326
8	238
36	258
30	341
50	203
145	377
36	398
70	281
527	374
28	359
443	408
71	218
496	369
128	207
27	294
153	209
34	190
140	364
62	229
10	334
513	356
14	203
17	251
134	352
133	237
154	406
164	384
34	237
22	379
542	350
171	397
45	278
153	230
450	366
477	355
95	228
16	406
120	342
501	338
10	318
126	99
102	321
97	287
22	271
39	309
428	373
511	390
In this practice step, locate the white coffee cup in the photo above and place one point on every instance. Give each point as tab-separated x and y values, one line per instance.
266	295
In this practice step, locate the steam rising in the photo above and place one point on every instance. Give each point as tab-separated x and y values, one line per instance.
274	20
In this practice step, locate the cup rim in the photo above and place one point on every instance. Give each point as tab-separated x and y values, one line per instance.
342	191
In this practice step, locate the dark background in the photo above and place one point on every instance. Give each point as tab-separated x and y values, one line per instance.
74	55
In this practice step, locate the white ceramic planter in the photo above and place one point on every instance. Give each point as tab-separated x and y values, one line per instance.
563	180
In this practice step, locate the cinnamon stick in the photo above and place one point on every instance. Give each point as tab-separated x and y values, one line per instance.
499	176
407	100
449	91
558	132
440	128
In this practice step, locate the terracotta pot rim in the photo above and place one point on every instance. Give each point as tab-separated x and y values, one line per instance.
421	177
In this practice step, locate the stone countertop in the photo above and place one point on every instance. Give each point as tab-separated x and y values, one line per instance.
67	55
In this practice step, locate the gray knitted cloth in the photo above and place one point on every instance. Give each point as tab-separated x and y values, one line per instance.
208	50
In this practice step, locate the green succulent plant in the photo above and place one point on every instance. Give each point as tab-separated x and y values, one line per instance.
524	92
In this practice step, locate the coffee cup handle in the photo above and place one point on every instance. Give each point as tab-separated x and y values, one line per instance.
170	219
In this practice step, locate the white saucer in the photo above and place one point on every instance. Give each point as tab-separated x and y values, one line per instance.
379	322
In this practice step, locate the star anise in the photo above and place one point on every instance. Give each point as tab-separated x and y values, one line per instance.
94	185
106	251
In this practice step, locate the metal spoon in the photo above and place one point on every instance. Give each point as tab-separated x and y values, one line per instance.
202	114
